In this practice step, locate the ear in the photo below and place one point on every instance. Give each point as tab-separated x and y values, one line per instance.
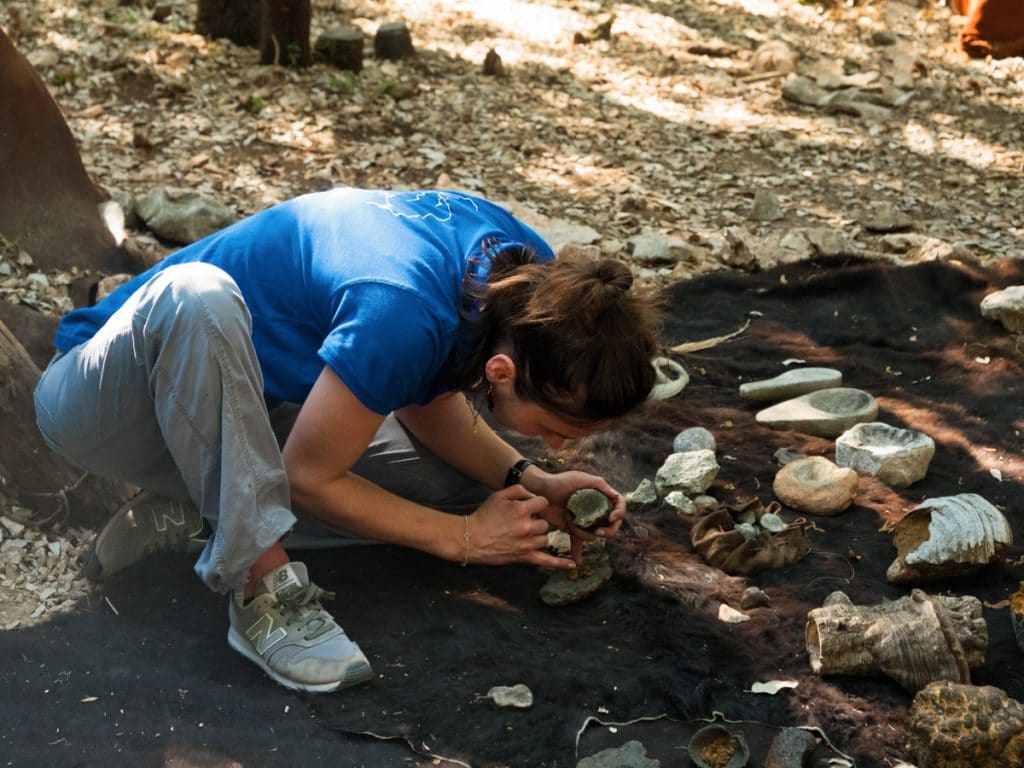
500	369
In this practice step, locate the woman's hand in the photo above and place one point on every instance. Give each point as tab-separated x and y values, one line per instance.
509	527
558	487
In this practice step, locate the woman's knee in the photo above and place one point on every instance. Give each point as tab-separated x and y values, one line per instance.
204	291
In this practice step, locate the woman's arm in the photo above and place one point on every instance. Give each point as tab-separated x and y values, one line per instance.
332	431
449	428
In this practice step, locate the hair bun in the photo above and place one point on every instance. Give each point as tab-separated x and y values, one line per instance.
614	274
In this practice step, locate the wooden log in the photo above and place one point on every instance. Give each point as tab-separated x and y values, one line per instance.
914	640
342	47
392	41
29	470
237	20
284	33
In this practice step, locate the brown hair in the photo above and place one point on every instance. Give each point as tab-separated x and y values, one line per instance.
581	338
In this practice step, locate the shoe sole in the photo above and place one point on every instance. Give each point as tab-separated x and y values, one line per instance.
358	669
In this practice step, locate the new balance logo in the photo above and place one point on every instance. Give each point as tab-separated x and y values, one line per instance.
173	513
262	634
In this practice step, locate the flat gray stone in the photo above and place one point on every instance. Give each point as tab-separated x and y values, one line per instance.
567	587
897	457
183	215
642	496
1006	306
825	413
690	472
766	207
792	383
790	749
693	439
632	754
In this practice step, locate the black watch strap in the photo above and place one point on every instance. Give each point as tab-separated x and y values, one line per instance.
515	474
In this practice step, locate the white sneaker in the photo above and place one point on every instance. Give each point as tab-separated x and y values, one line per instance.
285	632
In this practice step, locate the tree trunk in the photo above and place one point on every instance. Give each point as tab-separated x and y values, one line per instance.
237	20
29	470
284	32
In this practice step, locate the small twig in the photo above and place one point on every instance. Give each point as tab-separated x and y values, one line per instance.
756	78
107	600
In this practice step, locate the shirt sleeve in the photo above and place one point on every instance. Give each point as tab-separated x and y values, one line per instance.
386	345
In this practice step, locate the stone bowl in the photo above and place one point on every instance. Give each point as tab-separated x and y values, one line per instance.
815	485
824	413
897	457
717	741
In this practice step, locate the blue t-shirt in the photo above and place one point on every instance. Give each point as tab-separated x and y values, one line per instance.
367	282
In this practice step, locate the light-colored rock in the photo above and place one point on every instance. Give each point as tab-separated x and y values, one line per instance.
691	472
815	485
898	457
681	502
804	91
947	536
886	218
643	495
1006	306
766	207
825	413
774	56
830	242
792	383
693	439
653	248
182	215
518	696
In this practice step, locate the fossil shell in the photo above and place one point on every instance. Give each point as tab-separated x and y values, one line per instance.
898	457
947	536
915	640
671	379
952	725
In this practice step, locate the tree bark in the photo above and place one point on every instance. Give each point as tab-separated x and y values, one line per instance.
29	470
393	41
237	20
284	33
342	47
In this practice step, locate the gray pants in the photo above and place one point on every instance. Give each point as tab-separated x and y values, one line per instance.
168	395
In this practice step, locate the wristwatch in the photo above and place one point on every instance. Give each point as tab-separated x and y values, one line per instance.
515	474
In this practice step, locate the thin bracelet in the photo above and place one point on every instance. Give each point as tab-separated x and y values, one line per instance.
465	557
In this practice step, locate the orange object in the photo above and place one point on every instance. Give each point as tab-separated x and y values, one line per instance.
994	27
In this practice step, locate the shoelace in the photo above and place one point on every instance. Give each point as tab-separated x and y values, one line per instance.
304	603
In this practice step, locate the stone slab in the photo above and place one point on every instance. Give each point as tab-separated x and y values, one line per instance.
793	383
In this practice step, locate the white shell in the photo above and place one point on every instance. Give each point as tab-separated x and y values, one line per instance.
963	529
672	378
